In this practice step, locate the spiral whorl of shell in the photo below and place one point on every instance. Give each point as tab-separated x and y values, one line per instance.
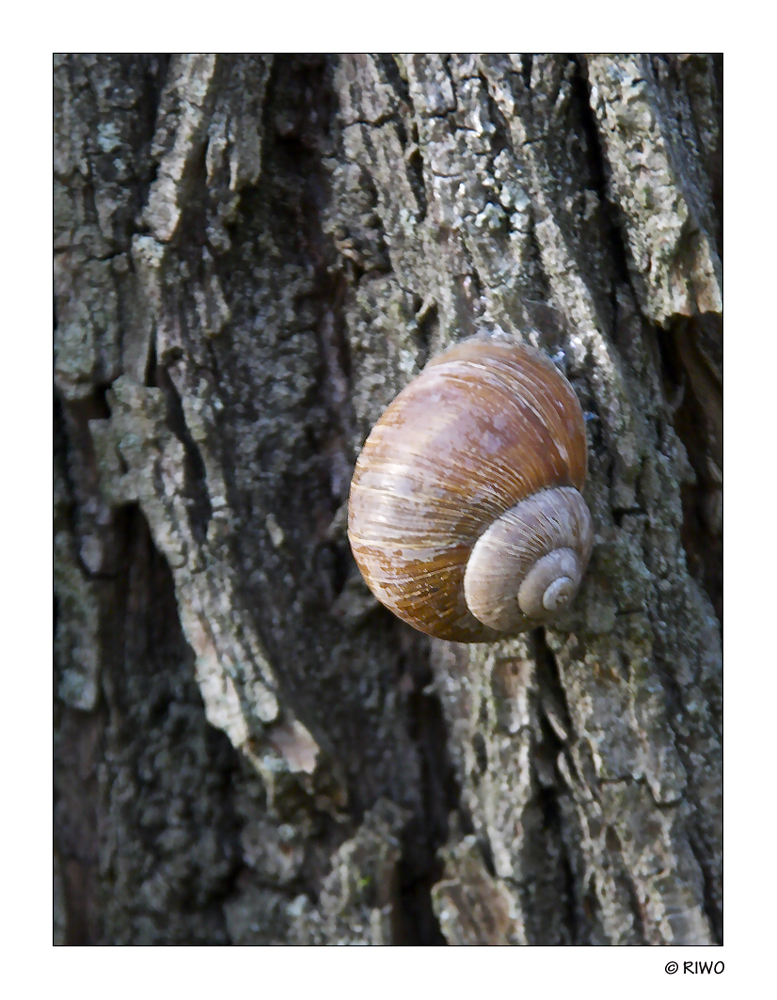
526	567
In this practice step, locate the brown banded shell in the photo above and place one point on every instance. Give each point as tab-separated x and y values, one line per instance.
465	515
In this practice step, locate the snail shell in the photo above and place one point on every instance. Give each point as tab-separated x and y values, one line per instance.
465	515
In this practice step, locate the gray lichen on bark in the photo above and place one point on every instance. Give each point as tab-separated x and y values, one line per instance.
252	256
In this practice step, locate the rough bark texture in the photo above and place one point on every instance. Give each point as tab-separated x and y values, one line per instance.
252	256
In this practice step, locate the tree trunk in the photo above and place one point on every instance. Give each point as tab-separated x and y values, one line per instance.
252	256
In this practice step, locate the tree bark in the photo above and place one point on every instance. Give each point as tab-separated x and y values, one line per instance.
253	255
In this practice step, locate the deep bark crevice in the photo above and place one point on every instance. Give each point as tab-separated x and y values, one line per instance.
550	744
698	420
